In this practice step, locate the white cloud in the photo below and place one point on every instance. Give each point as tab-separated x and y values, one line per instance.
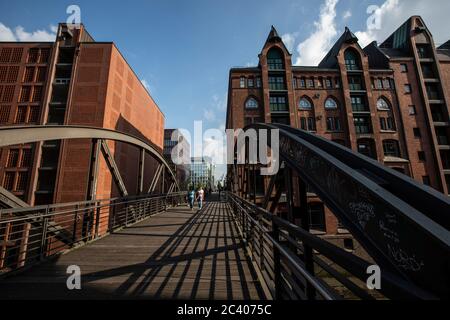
220	103
145	84
6	34
209	114
313	49
289	40
347	15
375	23
392	13
19	34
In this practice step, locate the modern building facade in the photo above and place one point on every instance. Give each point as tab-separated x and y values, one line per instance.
173	138
202	172
389	102
72	81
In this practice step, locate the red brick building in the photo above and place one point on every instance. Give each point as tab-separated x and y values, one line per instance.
389	101
72	81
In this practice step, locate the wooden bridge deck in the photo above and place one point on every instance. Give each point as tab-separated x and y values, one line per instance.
178	254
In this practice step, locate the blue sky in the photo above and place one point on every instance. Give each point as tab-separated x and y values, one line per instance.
183	50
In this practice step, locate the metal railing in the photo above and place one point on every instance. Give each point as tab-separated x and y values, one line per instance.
30	235
295	264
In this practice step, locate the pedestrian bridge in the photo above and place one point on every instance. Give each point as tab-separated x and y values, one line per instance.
176	254
151	246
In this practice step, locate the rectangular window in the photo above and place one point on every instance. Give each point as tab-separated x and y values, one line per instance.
378	84
41	74
258	82
303	123
311	124
4	113
412	110
13	73
8	181
33	54
33	117
330	124
5	55
17	55
386	84
403	67
250	83
328	83
3	73
422	156
362	125
37	94
333	124
387	124
21	116
44	54
294	83
22	179
408	88
302	83
320	83
25	94
417	133
8	93
26	159
278	103
29	74
358	104
242	82
276	83
13	158
338	83
310	83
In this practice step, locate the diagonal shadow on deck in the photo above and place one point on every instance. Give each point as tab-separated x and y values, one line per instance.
180	254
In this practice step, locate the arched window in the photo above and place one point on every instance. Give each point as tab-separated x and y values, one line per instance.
352	61
382	104
305	104
330	103
251	103
275	59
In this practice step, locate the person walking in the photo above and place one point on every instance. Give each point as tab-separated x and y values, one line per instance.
191	197
200	198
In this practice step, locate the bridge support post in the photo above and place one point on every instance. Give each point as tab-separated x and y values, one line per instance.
141	171
93	169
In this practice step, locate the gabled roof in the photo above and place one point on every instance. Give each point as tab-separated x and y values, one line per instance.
377	58
330	60
445	46
273	38
273	35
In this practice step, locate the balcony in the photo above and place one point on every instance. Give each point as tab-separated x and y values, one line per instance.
62	81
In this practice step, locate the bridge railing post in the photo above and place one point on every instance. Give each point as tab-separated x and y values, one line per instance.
43	248
277	262
97	219
75	225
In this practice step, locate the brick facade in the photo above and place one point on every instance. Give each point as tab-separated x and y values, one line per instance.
389	101
82	82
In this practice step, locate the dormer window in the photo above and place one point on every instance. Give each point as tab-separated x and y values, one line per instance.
352	61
